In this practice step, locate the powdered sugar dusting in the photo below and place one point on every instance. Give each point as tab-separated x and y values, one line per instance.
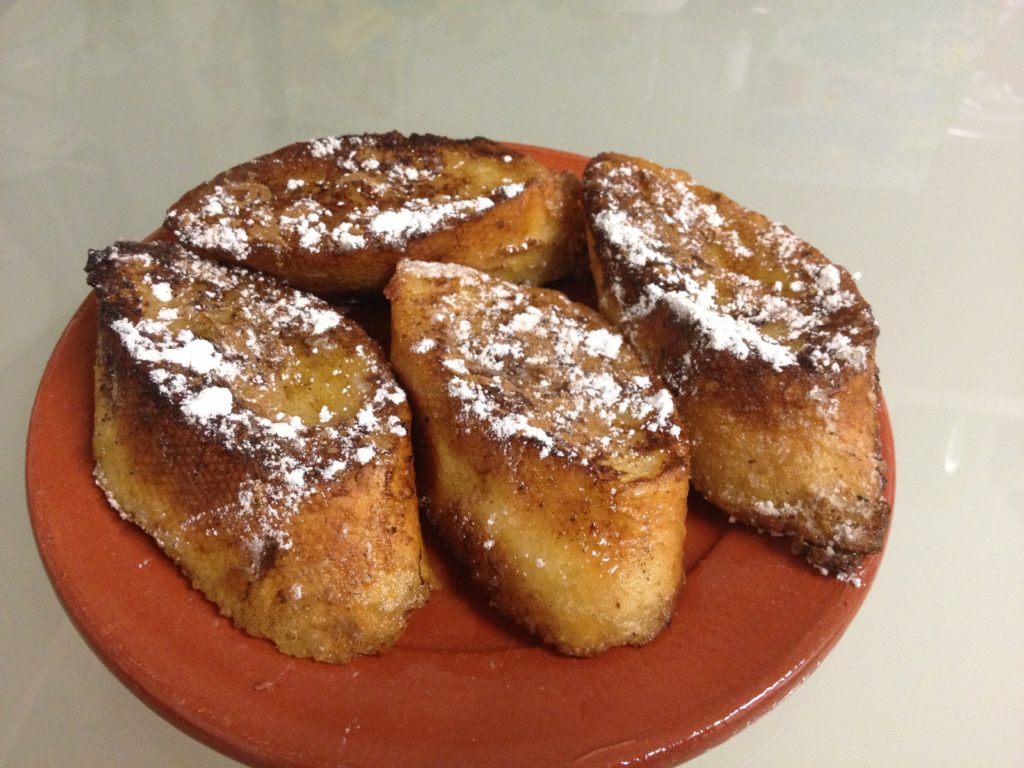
153	342
208	403
602	342
218	381
419	217
691	256
162	292
217	225
725	332
354	192
552	375
308	221
325	147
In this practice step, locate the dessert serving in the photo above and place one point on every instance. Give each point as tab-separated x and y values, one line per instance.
336	214
260	438
552	462
769	347
252	498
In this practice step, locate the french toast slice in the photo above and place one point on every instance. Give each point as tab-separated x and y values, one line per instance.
260	438
551	461
334	215
769	347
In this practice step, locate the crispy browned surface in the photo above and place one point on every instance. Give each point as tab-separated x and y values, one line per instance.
769	347
335	214
262	441
552	462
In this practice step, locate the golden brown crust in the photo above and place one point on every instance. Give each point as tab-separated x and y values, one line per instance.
335	214
552	461
268	407
768	345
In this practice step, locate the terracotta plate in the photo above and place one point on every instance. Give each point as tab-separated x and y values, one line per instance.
463	686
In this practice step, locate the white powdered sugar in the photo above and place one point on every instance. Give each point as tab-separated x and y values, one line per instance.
208	403
358	192
322	320
602	342
308	223
215	382
325	147
725	332
636	246
827	278
770	509
345	236
217	225
827	282
552	375
152	342
162	292
688	255
505	426
419	217
525	321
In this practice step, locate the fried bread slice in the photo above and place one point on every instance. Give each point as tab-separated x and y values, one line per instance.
334	215
551	461
260	438
769	346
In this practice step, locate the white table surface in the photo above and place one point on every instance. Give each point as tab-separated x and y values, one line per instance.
891	135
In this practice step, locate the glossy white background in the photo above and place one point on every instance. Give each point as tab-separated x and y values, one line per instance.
891	135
